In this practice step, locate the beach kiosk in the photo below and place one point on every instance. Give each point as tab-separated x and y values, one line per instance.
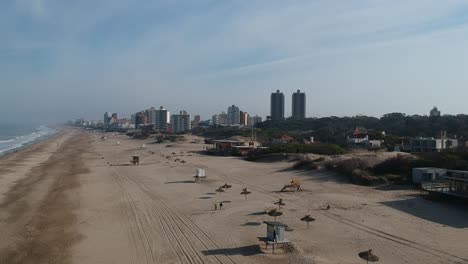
275	234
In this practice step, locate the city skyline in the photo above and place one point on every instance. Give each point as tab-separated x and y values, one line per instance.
56	64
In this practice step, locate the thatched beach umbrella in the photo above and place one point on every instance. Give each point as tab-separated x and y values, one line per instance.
275	213
245	192
226	186
280	203
368	256
307	219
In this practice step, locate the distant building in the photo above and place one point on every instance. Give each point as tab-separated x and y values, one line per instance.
434	112
196	121
107	118
140	119
437	181
181	122
244	118
360	139
162	118
363	142
221	119
298	105
151	113
233	113
277	106
432	144
215	120
255	120
427	174
284	139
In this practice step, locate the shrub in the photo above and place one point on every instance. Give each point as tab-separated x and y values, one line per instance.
321	149
305	164
346	167
400	165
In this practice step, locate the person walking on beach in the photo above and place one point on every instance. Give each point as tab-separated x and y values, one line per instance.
220	205
216	206
274	236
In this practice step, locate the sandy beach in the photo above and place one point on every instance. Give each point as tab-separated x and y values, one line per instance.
75	198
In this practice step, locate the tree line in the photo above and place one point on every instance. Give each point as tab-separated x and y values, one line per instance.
396	126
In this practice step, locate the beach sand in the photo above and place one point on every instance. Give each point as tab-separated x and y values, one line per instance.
75	199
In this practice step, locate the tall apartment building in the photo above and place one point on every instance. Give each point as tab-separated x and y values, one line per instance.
298	105
220	119
181	122
140	119
233	115
151	113
244	118
162	118
107	118
277	106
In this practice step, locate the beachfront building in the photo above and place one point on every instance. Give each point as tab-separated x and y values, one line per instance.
420	175
438	181
421	144
151	115
233	113
458	182
140	119
161	119
181	122
298	105
363	142
244	118
277	106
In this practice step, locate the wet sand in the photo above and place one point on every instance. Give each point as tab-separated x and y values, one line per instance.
75	199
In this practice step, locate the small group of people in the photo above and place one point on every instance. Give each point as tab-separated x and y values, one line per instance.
220	206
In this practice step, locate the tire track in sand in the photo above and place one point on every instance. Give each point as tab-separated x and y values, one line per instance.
186	239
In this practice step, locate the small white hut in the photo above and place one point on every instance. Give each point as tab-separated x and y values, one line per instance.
275	229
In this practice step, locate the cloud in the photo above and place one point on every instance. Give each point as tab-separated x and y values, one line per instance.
124	55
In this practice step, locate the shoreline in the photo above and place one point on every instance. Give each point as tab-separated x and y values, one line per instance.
31	143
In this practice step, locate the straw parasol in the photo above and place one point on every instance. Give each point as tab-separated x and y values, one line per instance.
226	186
245	192
280	203
275	213
307	219
368	256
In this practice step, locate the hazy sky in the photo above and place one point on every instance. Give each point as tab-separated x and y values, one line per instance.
63	59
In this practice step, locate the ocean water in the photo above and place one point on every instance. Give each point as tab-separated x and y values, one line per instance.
17	136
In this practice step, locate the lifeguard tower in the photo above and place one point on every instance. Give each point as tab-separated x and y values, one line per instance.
135	160
200	176
275	234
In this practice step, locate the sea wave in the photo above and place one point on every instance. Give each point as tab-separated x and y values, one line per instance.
17	142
